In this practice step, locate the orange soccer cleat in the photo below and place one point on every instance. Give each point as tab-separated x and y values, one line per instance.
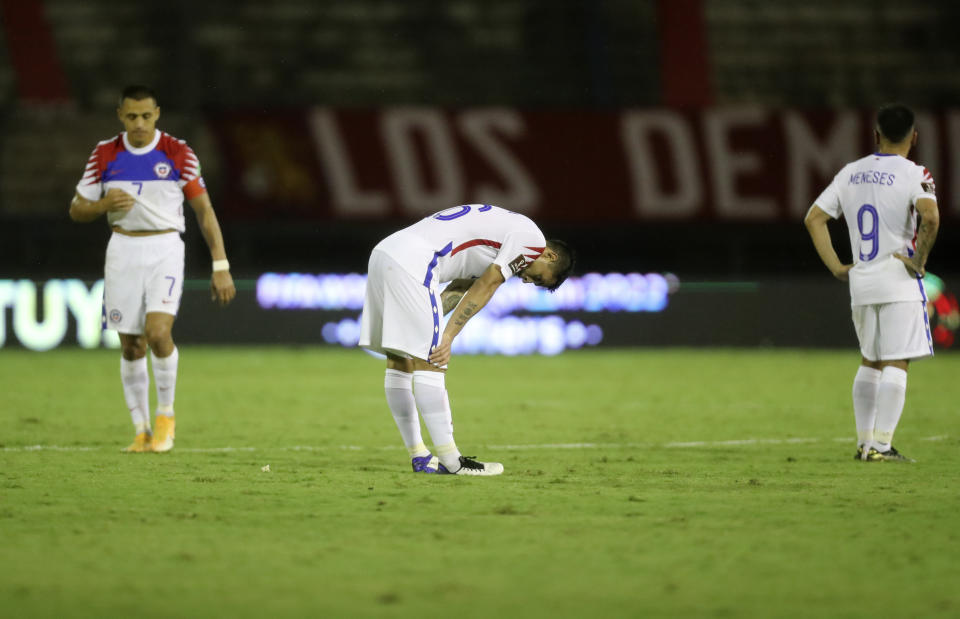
163	433
142	443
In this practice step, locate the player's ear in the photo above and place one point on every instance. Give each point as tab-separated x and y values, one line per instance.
156	113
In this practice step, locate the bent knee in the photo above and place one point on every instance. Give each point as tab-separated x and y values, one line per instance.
134	351
132	346
157	336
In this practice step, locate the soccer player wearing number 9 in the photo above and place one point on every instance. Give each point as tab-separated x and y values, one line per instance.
138	180
474	247
882	196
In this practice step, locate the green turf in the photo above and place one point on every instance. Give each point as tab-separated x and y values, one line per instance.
627	524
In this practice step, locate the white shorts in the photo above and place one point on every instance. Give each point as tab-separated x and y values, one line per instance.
400	315
892	331
142	274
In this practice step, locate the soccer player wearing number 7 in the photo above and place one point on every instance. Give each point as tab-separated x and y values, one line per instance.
139	179
474	247
882	196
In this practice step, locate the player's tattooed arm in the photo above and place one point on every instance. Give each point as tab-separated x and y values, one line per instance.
450	300
476	296
466	313
452	294
473	301
926	235
929	226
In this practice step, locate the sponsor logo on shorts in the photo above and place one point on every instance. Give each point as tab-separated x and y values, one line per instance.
162	170
518	264
115	315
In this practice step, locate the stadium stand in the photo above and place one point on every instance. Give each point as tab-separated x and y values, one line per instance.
366	52
527	54
833	52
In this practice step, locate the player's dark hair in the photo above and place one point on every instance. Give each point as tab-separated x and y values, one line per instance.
138	92
566	260
895	122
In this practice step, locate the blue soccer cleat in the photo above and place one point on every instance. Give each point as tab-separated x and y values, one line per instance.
426	464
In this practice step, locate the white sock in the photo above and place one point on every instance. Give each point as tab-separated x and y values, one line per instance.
865	386
890	399
398	387
165	375
136	391
431	394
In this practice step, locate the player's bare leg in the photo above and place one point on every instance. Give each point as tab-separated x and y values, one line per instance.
136	389
164	358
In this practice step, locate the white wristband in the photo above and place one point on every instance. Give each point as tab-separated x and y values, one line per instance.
221	265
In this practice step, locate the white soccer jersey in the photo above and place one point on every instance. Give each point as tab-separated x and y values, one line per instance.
877	196
463	241
157	175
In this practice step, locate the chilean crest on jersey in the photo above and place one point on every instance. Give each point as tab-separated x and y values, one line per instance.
162	169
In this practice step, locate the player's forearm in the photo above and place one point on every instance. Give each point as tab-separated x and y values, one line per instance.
209	226
465	310
926	236
824	246
452	294
210	229
449	300
84	211
472	302
214	238
816	224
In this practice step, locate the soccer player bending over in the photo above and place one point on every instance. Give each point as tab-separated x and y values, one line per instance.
475	247
139	180
881	197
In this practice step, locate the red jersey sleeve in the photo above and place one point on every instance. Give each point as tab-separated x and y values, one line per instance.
186	162
103	153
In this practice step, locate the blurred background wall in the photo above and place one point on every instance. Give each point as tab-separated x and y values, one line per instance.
682	137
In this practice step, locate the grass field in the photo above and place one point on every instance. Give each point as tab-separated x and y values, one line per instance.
632	489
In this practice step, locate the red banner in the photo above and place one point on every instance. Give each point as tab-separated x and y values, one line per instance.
730	163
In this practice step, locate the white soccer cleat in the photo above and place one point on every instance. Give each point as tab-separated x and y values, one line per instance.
469	466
